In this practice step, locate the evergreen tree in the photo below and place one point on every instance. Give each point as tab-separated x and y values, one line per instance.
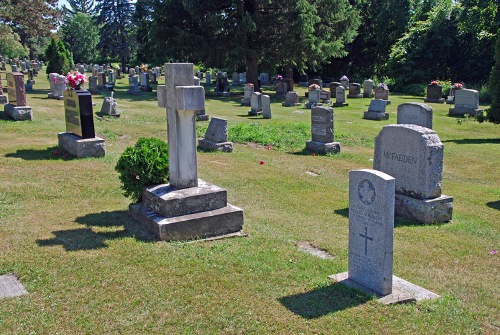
115	21
10	43
493	113
80	6
57	57
81	45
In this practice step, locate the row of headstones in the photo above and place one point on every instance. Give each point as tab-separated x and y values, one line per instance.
22	65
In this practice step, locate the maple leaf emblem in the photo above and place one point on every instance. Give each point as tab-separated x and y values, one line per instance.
366	192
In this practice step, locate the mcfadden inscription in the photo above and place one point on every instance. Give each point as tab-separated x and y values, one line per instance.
400	158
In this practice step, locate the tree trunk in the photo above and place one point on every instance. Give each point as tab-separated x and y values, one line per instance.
253	71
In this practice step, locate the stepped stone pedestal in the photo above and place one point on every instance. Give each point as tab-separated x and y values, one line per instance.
187	214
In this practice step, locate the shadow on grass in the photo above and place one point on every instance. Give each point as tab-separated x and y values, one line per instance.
494	205
51	153
343	212
3	116
475	140
88	239
323	301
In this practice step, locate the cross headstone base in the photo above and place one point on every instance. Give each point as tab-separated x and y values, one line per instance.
402	290
187	214
18	113
82	147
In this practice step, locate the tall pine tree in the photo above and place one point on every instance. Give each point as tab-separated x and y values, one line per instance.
115	20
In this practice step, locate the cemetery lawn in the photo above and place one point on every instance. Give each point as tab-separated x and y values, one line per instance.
89	269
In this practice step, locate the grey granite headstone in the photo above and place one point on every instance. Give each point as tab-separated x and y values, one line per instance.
313	97
371	241
367	88
376	110
291	99
247	95
256	104
340	97
371	229
414	156
415	113
466	102
354	91
322	129
216	136
266	106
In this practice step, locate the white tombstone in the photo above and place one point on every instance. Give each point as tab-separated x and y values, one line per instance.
466	102
256	104
266	106
416	113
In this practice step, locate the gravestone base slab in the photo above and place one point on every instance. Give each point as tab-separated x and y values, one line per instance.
325	101
424	210
450	100
254	113
402	290
146	89
28	87
355	96
224	94
368	95
311	105
340	104
55	96
284	104
222	221
3	99
202	117
82	147
245	102
457	111
376	116
323	148
435	101
215	146
18	113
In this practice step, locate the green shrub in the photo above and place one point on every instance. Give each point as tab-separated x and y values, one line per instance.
144	164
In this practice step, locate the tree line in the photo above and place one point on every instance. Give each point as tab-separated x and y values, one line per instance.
411	42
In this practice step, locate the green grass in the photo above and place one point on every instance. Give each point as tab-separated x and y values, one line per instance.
89	269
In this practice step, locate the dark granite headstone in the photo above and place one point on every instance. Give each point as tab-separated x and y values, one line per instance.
78	113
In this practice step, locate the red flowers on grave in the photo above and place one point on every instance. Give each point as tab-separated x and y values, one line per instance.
314	87
457	86
434	82
76	79
261	162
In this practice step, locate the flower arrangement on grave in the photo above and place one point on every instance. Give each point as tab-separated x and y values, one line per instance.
279	77
435	82
143	67
344	78
76	79
457	86
314	87
382	87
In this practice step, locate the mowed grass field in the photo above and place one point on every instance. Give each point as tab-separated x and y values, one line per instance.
89	269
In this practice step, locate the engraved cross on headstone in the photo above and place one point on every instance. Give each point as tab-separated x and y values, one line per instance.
365	236
183	100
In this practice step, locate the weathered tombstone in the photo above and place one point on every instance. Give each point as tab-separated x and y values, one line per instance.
313	96
57	86
255	104
81	69
216	138
101	80
354	91
289	84
30	82
17	109
371	241
333	87
133	85
414	156
281	89
376	110
344	81
144	80
131	72
367	88
291	99
325	97
266	106
264	78
79	140
435	94
415	113
340	97
382	93
187	208
208	81
322	129
247	95
93	85
222	85
109	106
3	98
14	68
304	80
201	115
466	102
235	78
316	81
243	77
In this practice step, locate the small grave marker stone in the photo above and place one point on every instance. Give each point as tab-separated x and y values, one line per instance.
322	130
415	113
216	138
376	110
